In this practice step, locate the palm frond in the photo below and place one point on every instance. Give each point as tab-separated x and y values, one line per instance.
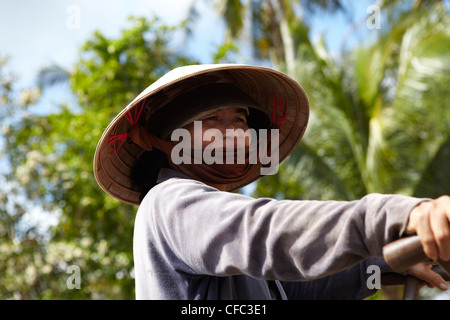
52	75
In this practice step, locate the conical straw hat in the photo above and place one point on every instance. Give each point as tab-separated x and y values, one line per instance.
281	97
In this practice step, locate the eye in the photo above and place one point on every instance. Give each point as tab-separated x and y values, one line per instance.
211	118
241	119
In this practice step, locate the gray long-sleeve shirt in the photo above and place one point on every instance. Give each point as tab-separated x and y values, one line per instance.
192	241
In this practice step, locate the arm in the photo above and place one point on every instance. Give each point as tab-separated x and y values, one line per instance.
219	233
349	284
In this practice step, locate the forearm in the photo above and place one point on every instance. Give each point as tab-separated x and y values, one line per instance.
225	234
350	284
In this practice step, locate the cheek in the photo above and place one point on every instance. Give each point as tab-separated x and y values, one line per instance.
195	135
243	140
239	139
244	136
214	140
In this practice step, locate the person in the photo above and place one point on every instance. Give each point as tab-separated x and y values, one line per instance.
173	151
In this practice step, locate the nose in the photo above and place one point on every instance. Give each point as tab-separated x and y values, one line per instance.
224	124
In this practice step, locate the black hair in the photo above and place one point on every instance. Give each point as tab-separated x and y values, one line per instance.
144	173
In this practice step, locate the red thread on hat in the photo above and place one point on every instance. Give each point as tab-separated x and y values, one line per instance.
137	114
113	139
277	102
133	120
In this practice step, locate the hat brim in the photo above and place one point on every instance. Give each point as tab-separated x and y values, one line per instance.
112	167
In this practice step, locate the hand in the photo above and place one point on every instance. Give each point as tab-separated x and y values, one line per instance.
430	221
423	271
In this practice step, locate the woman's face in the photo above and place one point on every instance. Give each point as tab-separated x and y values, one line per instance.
232	118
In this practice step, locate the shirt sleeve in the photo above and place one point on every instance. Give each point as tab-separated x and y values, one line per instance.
349	284
218	233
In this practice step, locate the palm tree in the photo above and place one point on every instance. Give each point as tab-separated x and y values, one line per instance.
274	28
380	120
365	133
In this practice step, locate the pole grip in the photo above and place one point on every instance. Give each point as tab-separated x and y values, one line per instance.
403	253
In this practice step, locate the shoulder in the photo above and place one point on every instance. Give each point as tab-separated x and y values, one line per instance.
173	186
175	193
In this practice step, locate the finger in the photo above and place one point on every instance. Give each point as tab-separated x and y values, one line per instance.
425	232
437	281
441	231
443	235
432	278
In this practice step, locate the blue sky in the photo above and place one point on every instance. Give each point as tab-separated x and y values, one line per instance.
39	33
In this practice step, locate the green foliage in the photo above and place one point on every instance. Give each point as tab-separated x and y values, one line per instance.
380	120
223	53
52	158
263	18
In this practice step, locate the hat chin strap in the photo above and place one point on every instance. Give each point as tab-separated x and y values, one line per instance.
211	174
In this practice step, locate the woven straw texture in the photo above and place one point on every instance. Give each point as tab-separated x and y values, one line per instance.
112	165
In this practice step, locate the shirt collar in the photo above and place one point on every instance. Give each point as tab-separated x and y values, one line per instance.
167	173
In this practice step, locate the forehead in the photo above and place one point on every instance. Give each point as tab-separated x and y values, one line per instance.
231	109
